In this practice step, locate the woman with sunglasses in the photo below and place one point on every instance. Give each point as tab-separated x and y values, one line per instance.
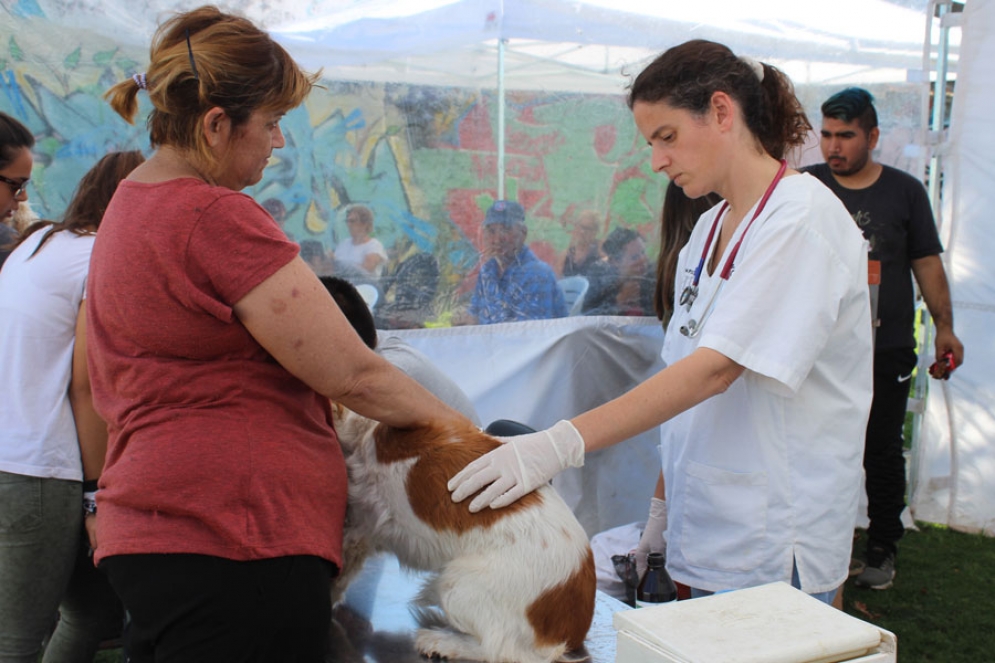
16	142
52	441
768	384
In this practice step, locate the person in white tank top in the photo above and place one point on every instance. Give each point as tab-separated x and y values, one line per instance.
361	249
52	441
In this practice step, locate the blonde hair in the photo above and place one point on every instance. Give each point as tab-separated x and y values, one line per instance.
24	217
205	58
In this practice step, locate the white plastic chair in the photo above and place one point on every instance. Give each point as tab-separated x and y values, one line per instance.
574	288
369	293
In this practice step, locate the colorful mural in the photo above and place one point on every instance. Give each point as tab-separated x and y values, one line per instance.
424	159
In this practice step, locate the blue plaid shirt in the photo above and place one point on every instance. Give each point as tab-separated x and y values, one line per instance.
527	290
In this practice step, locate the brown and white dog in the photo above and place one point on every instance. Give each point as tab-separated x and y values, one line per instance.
508	585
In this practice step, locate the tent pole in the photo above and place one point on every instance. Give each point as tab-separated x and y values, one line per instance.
500	111
934	119
939	104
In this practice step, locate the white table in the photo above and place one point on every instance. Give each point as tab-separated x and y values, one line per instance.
388	637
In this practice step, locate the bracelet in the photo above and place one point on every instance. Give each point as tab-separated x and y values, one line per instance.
90	486
90	503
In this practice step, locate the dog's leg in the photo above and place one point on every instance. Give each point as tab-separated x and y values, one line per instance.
436	637
487	622
449	644
356	548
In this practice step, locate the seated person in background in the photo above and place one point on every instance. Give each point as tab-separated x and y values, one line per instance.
513	284
361	249
323	263
278	211
584	251
408	289
415	364
314	254
622	284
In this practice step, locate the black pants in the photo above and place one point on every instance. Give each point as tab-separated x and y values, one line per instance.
196	608
884	462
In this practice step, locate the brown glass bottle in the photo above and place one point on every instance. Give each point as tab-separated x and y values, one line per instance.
656	585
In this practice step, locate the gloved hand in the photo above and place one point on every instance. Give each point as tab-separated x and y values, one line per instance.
652	539
519	466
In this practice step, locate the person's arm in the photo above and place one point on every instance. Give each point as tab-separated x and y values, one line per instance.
677	388
293	317
561	261
372	261
526	462
660	492
91	431
652	539
932	280
470	314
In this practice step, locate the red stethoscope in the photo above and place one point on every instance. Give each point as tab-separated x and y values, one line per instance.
690	293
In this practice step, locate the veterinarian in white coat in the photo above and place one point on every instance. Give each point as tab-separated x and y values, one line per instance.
768	383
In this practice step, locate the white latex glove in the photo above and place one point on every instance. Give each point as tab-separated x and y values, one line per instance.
519	466
652	539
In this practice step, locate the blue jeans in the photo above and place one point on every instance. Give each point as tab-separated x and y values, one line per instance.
41	543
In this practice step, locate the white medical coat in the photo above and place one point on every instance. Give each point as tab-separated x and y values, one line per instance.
768	473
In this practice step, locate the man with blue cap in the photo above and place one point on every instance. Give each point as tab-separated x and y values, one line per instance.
513	283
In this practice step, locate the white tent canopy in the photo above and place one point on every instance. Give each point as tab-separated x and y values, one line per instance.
585	45
592	46
571	45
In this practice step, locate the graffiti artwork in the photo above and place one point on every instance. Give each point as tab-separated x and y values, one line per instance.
422	158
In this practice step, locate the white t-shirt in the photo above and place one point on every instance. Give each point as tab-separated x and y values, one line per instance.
768	473
40	298
355	254
421	369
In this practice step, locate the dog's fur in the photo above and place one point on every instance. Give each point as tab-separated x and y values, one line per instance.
507	585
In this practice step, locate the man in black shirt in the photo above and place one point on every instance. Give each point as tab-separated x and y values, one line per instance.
892	209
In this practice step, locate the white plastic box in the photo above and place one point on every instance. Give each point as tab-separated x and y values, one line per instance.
774	623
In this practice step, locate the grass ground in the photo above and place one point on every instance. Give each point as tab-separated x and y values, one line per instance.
942	605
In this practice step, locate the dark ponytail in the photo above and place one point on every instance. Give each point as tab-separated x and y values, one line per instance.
686	77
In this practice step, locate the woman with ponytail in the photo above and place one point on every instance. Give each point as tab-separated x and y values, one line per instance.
215	352
767	384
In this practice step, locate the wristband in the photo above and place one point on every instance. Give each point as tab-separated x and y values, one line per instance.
90	486
90	503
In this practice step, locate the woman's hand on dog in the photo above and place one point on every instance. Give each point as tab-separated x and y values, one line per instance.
519	466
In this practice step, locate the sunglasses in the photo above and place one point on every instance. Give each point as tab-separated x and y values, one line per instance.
17	187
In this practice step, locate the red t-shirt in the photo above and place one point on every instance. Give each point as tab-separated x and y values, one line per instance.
214	447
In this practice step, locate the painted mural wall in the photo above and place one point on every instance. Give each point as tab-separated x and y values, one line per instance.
424	159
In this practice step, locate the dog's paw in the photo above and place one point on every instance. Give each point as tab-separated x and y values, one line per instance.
444	644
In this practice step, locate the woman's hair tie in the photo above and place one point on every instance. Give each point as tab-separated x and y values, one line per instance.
757	67
140	81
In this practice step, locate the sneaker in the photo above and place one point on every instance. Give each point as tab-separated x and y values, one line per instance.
857	566
880	570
